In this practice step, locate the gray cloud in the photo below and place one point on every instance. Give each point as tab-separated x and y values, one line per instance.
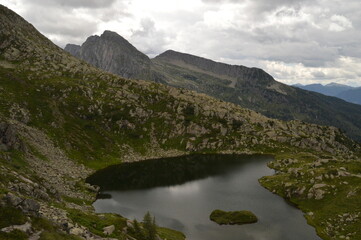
61	25
148	39
75	3
295	40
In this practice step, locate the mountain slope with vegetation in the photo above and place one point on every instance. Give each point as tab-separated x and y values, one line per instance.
61	119
255	89
251	88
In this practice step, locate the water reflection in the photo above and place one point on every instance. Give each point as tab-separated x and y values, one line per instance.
165	172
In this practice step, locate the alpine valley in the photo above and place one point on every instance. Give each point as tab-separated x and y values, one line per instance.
61	119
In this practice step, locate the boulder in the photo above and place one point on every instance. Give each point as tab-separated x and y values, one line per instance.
76	231
30	206
319	194
24	228
109	230
13	199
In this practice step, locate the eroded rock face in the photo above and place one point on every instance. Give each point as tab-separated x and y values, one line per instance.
114	54
73	49
9	139
27	205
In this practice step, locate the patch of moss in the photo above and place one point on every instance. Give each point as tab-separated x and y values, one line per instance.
95	223
166	233
233	217
14	235
11	216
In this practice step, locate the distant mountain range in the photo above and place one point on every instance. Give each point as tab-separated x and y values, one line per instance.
252	88
347	93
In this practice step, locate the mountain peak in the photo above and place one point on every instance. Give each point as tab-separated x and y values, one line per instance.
113	53
110	35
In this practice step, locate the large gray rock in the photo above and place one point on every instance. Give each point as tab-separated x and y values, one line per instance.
30	206
13	199
9	139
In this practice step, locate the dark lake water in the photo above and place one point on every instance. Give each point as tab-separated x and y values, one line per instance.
182	192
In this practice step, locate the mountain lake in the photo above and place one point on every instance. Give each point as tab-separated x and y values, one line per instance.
181	193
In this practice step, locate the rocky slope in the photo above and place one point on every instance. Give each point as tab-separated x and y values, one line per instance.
254	89
251	88
61	118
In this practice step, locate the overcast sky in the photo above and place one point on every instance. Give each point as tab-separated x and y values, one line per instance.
296	41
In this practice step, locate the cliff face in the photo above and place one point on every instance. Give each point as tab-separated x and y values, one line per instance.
114	54
73	49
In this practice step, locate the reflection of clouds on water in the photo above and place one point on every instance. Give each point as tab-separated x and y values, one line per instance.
188	188
205	227
171	223
113	205
246	232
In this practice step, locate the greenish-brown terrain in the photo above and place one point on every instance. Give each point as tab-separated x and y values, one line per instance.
251	88
233	217
61	119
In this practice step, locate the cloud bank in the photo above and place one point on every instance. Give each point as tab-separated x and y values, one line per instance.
296	41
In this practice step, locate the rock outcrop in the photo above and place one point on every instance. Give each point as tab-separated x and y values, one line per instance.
114	54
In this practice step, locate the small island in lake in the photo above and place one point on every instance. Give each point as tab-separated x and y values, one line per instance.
233	217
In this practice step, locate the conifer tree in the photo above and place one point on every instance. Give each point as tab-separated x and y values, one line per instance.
137	230
150	226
